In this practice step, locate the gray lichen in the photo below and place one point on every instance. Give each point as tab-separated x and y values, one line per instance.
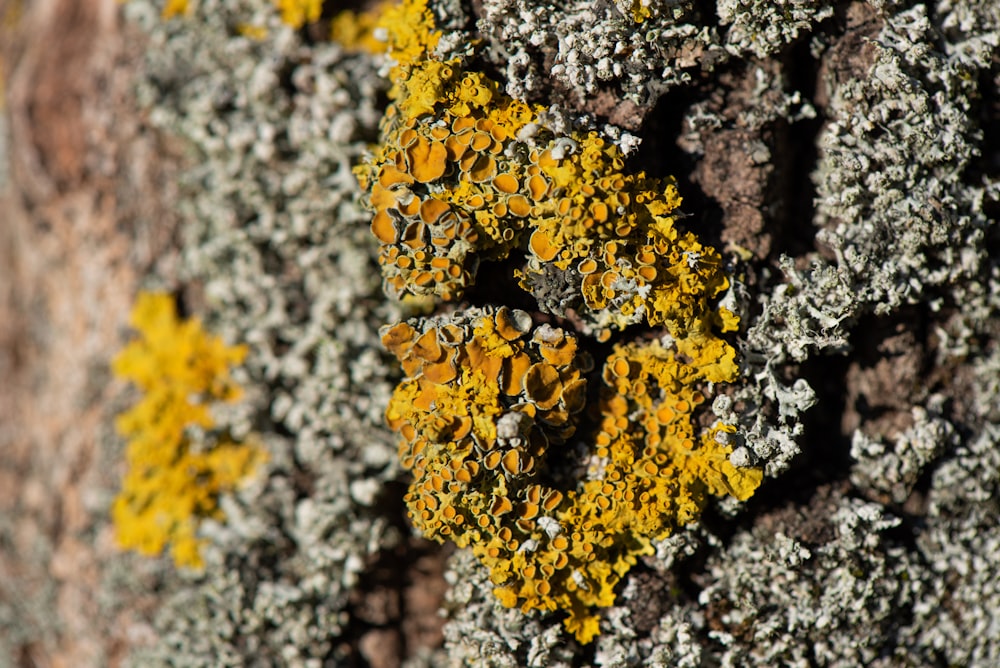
279	247
823	586
788	603
762	27
276	247
582	47
956	619
893	206
894	471
892	202
589	49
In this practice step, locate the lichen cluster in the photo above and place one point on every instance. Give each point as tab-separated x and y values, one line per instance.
464	175
885	561
577	52
487	401
277	248
294	13
173	482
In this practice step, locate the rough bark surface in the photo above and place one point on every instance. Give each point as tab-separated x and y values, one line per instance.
72	250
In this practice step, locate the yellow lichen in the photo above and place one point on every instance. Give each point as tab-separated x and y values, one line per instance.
170	484
356	31
637	10
174	8
297	13
463	174
251	31
587	227
487	399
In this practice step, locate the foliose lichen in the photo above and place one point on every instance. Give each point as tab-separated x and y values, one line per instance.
903	577
465	174
616	59
173	482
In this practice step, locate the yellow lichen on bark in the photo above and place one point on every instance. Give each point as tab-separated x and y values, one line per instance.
463	173
171	484
297	13
486	401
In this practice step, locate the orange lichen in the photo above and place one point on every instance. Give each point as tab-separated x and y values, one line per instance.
440	132
174	8
463	174
604	238
487	399
170	484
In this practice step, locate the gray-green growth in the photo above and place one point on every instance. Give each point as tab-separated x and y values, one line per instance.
276	245
279	246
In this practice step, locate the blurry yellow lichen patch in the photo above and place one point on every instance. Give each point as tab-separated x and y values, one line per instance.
638	10
251	31
171	484
358	31
174	8
487	398
297	13
408	28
